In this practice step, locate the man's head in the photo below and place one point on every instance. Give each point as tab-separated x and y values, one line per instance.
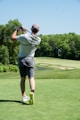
35	28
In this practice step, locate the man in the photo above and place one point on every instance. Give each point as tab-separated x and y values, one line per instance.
28	46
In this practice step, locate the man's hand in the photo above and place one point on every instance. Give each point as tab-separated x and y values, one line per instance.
22	29
19	28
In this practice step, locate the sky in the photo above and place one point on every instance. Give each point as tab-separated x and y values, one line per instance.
53	16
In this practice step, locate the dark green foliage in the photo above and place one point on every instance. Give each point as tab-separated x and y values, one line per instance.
66	46
4	55
10	48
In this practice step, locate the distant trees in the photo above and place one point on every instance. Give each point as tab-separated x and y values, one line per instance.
65	46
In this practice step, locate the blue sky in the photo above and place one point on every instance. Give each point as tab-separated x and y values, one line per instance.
53	16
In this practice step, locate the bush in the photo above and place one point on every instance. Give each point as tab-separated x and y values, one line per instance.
13	68
1	68
8	68
5	69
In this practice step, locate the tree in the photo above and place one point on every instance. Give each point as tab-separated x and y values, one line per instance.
4	55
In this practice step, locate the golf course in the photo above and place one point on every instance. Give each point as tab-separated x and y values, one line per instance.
57	95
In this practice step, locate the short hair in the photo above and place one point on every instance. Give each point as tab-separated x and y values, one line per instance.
35	28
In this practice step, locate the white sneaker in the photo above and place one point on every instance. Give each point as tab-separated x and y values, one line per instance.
25	98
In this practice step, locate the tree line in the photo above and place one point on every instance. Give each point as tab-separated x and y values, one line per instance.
65	46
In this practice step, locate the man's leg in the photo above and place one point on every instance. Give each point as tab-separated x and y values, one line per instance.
32	86
23	73
22	86
31	80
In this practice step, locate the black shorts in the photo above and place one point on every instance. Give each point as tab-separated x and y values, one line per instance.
26	66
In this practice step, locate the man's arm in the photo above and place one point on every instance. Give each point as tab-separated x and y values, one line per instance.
13	36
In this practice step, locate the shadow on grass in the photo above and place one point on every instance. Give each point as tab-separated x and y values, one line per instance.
14	101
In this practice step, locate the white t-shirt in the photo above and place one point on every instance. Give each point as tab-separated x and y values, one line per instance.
28	44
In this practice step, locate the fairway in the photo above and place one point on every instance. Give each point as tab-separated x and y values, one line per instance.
57	98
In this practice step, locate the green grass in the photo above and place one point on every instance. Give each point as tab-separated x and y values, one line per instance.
56	99
50	68
57	92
